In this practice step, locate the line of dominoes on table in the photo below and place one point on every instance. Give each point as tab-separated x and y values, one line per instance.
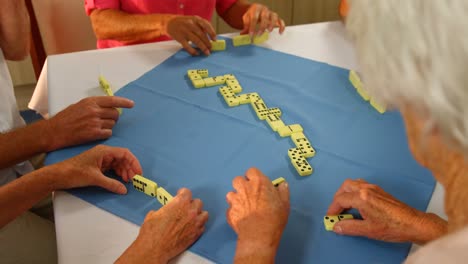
240	40
357	83
152	189
231	94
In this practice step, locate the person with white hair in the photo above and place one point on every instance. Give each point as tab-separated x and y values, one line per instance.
413	57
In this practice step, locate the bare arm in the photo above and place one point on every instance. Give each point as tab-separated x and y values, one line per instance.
233	16
82	170
129	28
15	29
253	19
21	194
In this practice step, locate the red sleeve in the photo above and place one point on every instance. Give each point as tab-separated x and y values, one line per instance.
90	5
223	5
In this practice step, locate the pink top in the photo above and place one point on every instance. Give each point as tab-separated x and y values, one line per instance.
202	8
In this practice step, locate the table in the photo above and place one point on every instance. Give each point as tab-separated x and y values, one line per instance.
87	234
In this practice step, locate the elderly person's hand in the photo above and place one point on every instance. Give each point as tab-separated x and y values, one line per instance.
169	231
87	169
186	29
258	213
259	18
90	119
383	216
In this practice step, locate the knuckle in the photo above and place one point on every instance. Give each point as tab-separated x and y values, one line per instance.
365	194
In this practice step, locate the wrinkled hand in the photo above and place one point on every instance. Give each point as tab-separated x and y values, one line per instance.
259	18
186	29
90	119
384	217
87	169
169	231
258	211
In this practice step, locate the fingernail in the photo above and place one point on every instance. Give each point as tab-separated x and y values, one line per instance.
338	229
286	185
122	190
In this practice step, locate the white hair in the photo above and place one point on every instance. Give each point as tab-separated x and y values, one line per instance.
415	52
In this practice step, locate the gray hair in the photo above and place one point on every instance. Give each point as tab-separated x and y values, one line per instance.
415	52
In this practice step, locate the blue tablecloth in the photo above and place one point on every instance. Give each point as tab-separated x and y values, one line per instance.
186	137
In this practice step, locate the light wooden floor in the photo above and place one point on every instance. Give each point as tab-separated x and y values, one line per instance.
23	94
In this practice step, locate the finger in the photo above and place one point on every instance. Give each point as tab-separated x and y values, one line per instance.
254	174
349	185
104	133
149	215
207	28
197	204
111	185
123	159
246	20
353	228
283	190
273	21
184	194
230	196
188	48
345	201
264	21
201	219
200	40
238	183
228	217
254	20
109	113
107	123
282	26
113	101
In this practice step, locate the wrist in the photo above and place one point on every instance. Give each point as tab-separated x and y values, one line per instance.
141	251
248	249
46	136
428	227
165	20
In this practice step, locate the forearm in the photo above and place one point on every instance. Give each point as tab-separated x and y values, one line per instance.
15	29
121	26
247	252
21	194
233	16
23	143
428	228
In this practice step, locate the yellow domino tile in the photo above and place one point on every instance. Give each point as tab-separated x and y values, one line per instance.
329	221
275	122
289	130
258	105
236	88
363	93
303	144
218	45
203	73
261	39
278	181
145	185
195	77
105	86
241	40
231	102
232	82
380	108
294	154
302	167
192	72
355	79
198	83
219	80
209	82
229	77
262	114
164	197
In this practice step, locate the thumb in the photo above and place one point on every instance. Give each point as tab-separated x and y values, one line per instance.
111	185
283	190
352	228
